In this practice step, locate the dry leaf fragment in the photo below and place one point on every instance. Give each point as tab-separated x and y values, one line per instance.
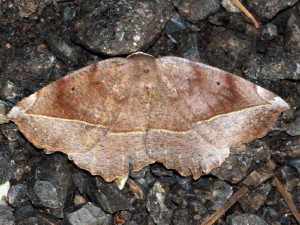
139	110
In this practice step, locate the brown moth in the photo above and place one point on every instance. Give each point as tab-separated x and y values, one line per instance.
140	110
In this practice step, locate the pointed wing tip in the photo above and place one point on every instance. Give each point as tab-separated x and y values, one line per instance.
22	107
15	112
275	100
279	102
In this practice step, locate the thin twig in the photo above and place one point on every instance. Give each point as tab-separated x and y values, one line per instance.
233	199
285	194
247	13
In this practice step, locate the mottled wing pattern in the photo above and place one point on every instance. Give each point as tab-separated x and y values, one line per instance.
139	110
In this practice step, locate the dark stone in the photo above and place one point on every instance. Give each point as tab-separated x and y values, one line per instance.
139	174
64	50
178	195
175	24
120	27
294	163
269	215
68	13
269	31
16	154
270	66
4	30
198	209
294	127
40	218
31	8
240	160
295	193
267	9
81	179
198	206
182	217
89	214
292	148
229	20
225	49
159	171
225	39
214	190
10	131
253	200
189	49
6	168
245	219
108	196
229	6
292	41
23	212
32	68
288	176
17	195
6	215
196	10
49	185
122	216
160	212
140	218
276	201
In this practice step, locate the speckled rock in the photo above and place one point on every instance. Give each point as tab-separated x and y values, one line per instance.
81	179
292	42
288	175
156	206
253	200
270	66
294	163
108	195
6	169
175	24
89	214
267	9
225	50
11	132
182	217
16	154
293	128
32	67
49	185
214	190
40	218
234	21
239	162
17	195
23	212
269	31
65	50
276	201
160	170
6	215
245	219
230	6
269	215
196	10
189	49
120	27
29	7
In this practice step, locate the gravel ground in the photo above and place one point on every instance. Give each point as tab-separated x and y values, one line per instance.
42	41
